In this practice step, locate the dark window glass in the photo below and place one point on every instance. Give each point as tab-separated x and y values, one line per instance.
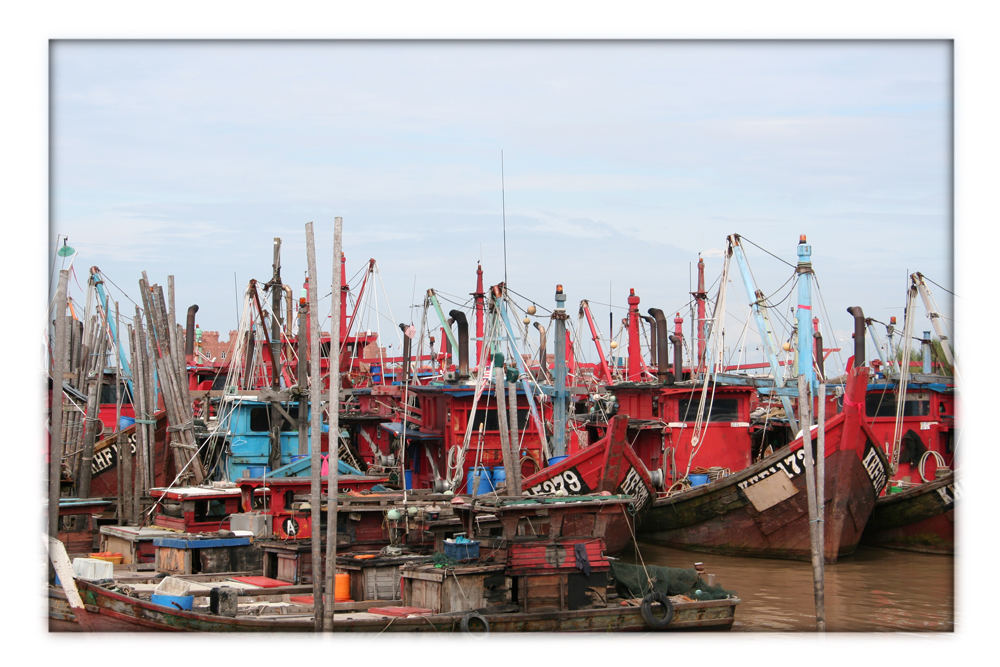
260	421
723	409
884	405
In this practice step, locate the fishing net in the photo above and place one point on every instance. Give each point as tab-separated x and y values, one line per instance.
636	581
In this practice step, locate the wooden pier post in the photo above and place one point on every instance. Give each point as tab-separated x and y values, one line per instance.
818	557
315	427
56	409
334	406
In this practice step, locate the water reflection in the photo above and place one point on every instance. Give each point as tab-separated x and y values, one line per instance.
874	590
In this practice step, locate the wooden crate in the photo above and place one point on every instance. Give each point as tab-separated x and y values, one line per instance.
449	589
561	590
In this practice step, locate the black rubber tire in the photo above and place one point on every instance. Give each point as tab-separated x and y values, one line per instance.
473	622
655	620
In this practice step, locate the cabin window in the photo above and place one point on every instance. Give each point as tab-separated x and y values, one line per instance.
884	405
260	419
723	409
489	417
108	394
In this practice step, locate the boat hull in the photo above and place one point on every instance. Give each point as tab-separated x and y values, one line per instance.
921	518
108	611
763	510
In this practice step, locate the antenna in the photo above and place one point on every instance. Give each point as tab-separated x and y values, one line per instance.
503	213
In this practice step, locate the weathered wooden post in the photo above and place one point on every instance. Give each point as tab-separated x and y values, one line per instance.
514	476
805	420
503	422
95	375
334	406
56	409
315	428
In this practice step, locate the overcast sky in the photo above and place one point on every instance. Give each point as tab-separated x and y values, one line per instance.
622	161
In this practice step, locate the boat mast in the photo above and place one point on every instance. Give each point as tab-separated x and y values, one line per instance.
559	397
933	315
480	299
804	314
701	296
763	326
585	309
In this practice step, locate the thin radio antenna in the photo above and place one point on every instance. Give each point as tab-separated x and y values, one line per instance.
503	213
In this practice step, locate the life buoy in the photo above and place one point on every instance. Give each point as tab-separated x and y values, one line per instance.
473	622
655	620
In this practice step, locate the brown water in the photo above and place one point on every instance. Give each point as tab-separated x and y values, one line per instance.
873	590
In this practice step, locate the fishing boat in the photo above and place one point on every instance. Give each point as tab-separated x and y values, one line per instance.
913	415
735	486
540	567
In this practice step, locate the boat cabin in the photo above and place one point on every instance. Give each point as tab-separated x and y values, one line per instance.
663	419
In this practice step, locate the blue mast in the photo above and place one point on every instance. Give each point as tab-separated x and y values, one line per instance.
804	314
763	327
559	397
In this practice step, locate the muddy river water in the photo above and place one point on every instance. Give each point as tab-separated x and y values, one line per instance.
873	590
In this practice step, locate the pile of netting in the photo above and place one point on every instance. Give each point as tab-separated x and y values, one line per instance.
637	581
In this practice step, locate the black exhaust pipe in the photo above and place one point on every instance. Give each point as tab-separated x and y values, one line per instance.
662	357
189	335
678	358
859	335
463	343
818	354
406	353
652	338
543	355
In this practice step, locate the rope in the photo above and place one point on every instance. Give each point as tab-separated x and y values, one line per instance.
923	461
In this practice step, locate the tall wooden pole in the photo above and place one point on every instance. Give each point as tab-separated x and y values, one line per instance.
315	428
334	406
124	450
274	454
95	376
503	422
805	421
56	409
821	499
514	481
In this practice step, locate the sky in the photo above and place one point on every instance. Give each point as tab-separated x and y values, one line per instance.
601	165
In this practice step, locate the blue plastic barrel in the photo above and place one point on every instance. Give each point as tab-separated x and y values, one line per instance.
698	479
125	422
485	481
556	459
499	476
253	472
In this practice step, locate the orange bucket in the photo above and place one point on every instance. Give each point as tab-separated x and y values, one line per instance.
342	588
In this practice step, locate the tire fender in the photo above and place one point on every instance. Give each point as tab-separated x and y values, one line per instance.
654	619
473	622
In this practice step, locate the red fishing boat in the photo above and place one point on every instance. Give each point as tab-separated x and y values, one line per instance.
917	510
